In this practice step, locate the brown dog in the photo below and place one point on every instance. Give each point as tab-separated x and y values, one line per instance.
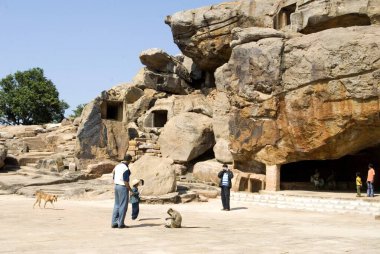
47	197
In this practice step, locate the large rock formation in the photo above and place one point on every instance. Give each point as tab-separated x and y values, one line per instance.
262	83
158	174
204	34
318	93
186	136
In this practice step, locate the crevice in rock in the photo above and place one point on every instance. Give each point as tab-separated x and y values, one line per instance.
352	19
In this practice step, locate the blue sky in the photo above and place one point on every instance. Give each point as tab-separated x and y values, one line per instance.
85	46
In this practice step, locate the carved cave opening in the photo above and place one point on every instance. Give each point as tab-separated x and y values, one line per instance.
250	185
282	19
112	110
156	119
296	175
347	20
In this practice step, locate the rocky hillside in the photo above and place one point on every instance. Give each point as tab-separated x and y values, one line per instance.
259	84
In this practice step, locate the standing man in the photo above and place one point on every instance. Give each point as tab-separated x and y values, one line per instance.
225	184
121	175
370	178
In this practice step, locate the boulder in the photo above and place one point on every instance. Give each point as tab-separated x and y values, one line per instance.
158	174
3	155
66	122
186	136
204	34
77	121
207	171
6	135
90	130
157	60
98	169
132	94
222	151
55	163
161	81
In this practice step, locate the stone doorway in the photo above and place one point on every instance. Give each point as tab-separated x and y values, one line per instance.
296	175
282	19
156	119
112	110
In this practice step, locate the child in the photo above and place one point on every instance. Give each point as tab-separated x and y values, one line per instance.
135	197
358	184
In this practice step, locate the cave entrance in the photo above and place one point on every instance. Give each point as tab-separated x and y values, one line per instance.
282	19
156	119
347	20
296	175
112	110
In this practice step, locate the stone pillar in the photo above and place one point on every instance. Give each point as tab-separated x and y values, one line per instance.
272	177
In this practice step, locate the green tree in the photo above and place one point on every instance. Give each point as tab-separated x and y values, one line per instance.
28	97
78	111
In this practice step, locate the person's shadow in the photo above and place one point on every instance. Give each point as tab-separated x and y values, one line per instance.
149	219
146	225
238	208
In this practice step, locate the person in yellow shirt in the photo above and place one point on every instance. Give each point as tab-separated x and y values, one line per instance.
358	184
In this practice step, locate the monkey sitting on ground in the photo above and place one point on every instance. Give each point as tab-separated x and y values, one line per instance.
45	196
175	217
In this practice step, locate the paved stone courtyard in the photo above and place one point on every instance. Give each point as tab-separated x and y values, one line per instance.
83	226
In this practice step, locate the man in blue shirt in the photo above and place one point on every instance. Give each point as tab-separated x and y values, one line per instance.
121	175
225	184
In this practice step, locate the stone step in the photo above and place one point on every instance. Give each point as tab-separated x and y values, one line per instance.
33	165
318	204
32	157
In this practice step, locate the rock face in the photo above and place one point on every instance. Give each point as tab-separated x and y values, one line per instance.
313	16
262	83
98	169
186	136
158	174
204	34
207	171
3	155
324	95
102	134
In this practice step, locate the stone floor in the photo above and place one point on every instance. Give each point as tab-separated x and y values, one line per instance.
83	226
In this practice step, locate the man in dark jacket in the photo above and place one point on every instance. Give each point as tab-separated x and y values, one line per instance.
225	184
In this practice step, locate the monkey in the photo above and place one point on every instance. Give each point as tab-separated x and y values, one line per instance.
175	217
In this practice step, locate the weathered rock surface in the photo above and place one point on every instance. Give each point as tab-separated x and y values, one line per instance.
253	69
204	34
157	60
53	164
314	16
222	151
207	171
186	136
158	174
165	82
98	169
100	138
3	155
250	34
325	96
